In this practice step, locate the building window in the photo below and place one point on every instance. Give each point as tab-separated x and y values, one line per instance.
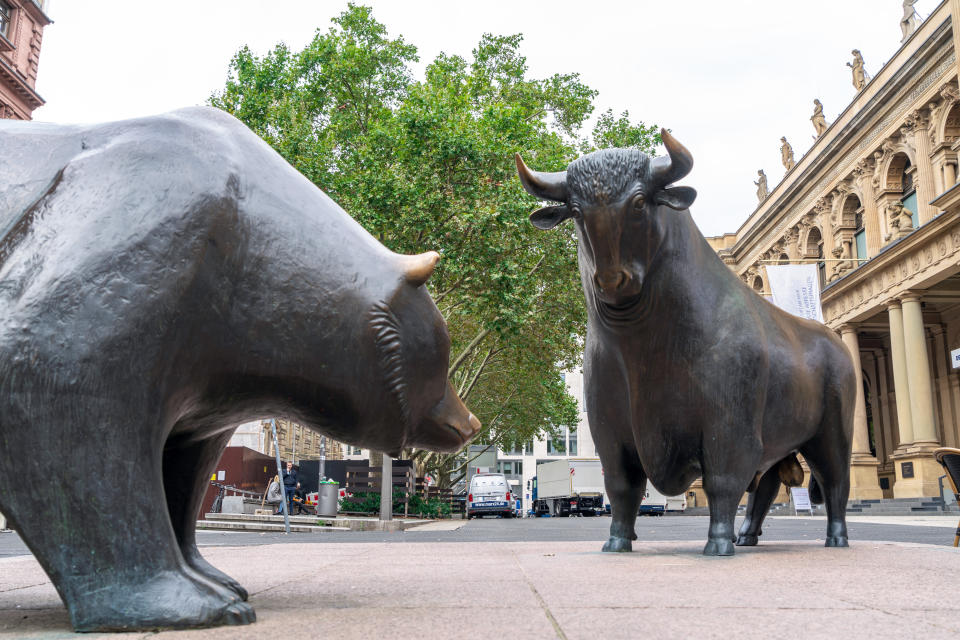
909	199
821	265
572	442
555	446
510	467
526	449
860	239
4	18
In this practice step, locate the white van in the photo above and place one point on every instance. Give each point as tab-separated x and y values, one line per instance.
489	494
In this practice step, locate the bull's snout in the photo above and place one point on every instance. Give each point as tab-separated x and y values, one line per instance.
611	280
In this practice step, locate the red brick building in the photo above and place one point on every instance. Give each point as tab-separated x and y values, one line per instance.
21	33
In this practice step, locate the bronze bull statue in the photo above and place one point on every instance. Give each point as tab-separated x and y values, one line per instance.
688	372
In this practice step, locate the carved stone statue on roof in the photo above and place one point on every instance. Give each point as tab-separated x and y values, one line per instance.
908	23
786	154
819	122
859	74
761	183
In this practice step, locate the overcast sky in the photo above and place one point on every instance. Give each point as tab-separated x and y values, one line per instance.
728	78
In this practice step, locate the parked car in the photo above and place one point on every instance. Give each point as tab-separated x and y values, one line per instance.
489	494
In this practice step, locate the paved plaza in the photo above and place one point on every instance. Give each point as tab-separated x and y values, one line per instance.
311	586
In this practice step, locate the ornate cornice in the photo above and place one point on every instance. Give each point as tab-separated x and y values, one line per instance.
901	267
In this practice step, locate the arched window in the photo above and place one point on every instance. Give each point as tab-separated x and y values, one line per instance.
758	284
815	249
853	213
951	129
783	259
909	190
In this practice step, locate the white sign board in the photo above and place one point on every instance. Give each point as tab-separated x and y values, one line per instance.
955	358
801	499
796	289
221	475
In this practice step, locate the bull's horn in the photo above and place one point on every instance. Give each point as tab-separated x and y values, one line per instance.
669	169
546	186
416	269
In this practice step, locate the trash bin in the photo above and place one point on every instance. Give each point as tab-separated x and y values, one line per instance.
327	499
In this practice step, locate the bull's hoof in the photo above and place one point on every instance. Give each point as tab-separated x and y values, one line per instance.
168	600
718	547
747	540
617	545
837	541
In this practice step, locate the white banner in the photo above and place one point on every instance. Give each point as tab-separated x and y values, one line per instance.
796	289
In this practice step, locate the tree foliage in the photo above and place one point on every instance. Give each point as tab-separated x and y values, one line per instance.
428	164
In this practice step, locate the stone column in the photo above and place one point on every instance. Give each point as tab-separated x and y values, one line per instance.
955	19
900	384
926	189
943	381
918	371
949	175
917	471
884	393
861	438
872	223
863	466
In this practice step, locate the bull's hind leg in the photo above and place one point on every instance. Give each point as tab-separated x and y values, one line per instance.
829	458
757	507
93	514
187	465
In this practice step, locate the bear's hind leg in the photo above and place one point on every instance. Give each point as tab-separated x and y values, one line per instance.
187	465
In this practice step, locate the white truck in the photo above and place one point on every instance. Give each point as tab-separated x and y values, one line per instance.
568	487
656	504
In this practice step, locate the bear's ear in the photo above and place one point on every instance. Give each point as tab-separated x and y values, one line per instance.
678	198
549	217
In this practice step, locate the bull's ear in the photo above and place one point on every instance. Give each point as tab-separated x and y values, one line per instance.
549	217
678	198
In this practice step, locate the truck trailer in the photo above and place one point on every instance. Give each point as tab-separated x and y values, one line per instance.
568	487
656	504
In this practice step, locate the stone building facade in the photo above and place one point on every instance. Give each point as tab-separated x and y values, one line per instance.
296	441
21	34
876	204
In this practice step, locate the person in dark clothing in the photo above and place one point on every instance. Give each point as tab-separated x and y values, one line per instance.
290	485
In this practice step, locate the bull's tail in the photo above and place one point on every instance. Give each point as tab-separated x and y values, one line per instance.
816	495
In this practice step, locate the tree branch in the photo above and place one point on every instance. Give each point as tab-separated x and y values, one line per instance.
467	351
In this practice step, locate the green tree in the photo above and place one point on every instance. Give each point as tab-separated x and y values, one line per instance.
428	164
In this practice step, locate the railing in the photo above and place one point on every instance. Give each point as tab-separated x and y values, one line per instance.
217	505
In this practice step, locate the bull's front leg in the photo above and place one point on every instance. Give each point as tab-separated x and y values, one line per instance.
729	464
623	475
625	481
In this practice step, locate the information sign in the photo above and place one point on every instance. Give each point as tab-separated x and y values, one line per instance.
801	499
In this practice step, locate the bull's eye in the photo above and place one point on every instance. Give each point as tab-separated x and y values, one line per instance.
638	203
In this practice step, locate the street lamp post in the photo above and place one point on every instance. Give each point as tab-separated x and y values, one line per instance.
386	489
276	447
